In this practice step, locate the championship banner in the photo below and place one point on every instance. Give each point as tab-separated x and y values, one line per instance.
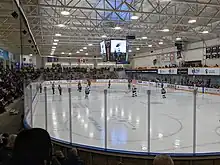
167	71
203	71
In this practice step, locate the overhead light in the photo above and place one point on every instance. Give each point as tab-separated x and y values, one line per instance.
58	35
54	47
134	17
85	47
144	38
70	53
117	28
130	50
165	30
80	50
160	43
149	46
192	21
104	36
65	12
137	48
178	38
77	52
86	54
54	43
62	53
205	32
30	54
56	40
61	25
89	44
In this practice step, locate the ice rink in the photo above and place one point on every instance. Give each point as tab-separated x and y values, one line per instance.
171	119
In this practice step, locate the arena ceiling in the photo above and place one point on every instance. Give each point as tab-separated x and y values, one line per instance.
157	24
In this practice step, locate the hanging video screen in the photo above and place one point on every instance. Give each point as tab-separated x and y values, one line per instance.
119	51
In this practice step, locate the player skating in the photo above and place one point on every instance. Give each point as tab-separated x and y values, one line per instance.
87	91
79	86
40	88
134	91
53	88
89	82
109	83
60	89
163	92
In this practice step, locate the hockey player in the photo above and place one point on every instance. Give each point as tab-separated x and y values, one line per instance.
109	83
79	86
134	91
60	89
129	86
40	88
87	91
53	88
89	82
163	92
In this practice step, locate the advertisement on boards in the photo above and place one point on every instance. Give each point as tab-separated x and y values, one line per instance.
203	71
4	54
167	71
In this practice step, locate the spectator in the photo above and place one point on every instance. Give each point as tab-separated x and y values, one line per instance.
6	151
32	147
73	158
163	159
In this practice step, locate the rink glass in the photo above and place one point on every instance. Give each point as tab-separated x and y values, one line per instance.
105	121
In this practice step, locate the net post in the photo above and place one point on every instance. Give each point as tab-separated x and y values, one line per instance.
31	105
194	120
106	118
45	95
70	115
148	120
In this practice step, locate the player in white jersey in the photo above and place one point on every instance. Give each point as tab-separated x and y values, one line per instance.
163	92
87	91
134	91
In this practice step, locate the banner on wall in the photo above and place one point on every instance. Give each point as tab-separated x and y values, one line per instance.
4	54
203	71
167	71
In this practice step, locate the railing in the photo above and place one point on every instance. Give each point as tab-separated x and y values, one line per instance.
185	123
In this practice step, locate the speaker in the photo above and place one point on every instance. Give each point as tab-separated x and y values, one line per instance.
14	14
130	37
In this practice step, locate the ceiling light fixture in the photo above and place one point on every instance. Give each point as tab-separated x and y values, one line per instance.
85	47
89	44
30	54
137	48
165	30
178	38
61	25
134	17
65	12
77	52
117	28
104	36
70	53
56	40
149	46
58	35
80	50
144	38
205	32
192	21
160	43
86	54
130	51
62	53
54	47
54	43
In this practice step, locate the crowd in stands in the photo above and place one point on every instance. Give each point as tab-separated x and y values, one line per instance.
11	84
58	73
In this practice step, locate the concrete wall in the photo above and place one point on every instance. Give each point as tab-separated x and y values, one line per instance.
194	51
